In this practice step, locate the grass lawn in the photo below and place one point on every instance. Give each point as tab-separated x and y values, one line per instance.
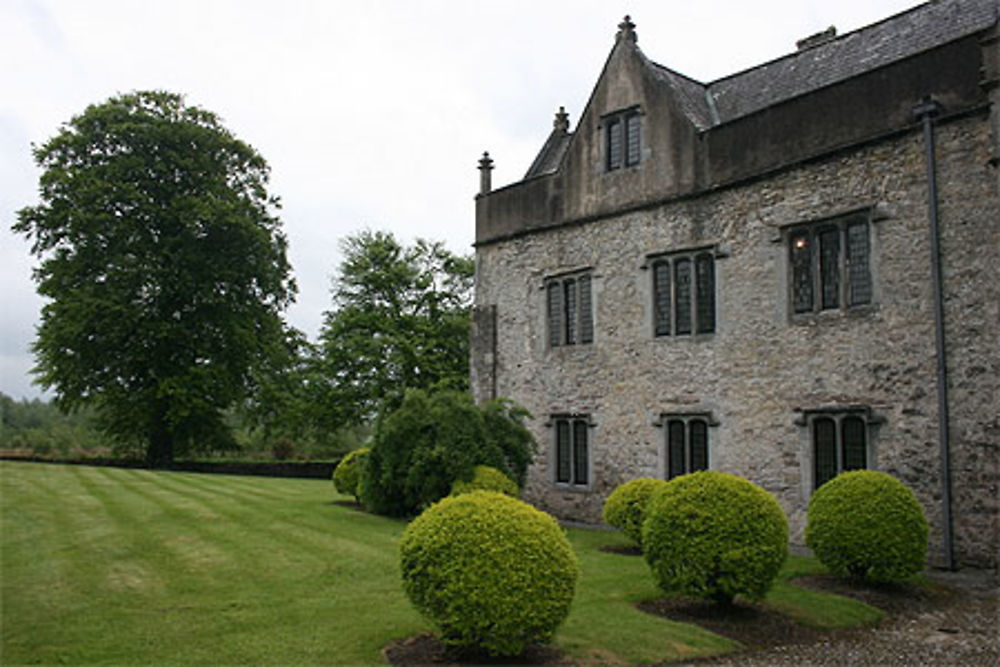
130	566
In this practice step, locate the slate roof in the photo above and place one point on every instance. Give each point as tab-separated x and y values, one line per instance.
919	29
906	34
548	159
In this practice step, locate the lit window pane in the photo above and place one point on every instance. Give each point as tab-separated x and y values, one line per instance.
802	273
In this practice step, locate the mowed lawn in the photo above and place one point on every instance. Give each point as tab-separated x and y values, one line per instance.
132	566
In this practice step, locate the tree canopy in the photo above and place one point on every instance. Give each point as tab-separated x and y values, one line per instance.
400	320
164	266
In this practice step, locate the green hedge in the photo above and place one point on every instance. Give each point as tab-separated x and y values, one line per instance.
713	535
486	478
867	525
492	572
347	474
626	507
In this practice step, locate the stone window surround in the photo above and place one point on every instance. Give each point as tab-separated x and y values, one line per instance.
876	213
606	121
586	417
804	420
663	466
560	276
718	251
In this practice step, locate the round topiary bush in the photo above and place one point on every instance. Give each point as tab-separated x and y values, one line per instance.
713	535
490	571
348	472
486	478
867	525
625	508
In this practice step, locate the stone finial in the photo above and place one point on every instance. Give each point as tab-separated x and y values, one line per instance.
561	123
485	173
626	30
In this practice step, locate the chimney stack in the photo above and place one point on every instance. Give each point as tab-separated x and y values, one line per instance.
485	174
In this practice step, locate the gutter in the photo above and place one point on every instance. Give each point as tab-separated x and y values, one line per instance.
925	112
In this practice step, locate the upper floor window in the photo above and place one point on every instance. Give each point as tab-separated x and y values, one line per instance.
684	293
572	450
830	265
569	310
623	139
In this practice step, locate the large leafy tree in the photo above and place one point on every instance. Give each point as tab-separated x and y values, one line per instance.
400	321
164	266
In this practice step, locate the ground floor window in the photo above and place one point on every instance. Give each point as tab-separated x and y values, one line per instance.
685	443
572	450
839	440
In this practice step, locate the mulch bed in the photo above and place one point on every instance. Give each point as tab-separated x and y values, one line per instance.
750	624
425	649
893	599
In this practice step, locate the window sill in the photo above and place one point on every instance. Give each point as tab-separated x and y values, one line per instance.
572	488
833	314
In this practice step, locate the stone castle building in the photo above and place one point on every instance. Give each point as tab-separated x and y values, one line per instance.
783	274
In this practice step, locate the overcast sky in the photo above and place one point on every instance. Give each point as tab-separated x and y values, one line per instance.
371	114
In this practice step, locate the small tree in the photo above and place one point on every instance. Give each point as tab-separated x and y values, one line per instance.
433	440
400	320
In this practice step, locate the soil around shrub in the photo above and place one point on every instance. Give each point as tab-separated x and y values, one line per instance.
426	649
893	599
751	624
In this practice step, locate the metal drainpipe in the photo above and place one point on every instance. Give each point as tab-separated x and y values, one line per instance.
925	112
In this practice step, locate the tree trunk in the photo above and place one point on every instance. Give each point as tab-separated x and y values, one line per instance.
160	452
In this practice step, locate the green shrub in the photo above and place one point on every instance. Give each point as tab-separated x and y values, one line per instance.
347	474
421	449
713	535
867	525
490	571
625	508
485	478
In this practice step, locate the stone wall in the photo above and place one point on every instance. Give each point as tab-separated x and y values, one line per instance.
762	367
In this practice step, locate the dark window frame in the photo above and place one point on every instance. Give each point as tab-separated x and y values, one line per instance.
572	450
687	442
569	309
830	267
840	439
684	292
622	139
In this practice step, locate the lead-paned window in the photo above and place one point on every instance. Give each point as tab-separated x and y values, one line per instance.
684	293
572	450
687	444
623	132
569	310
830	265
840	443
